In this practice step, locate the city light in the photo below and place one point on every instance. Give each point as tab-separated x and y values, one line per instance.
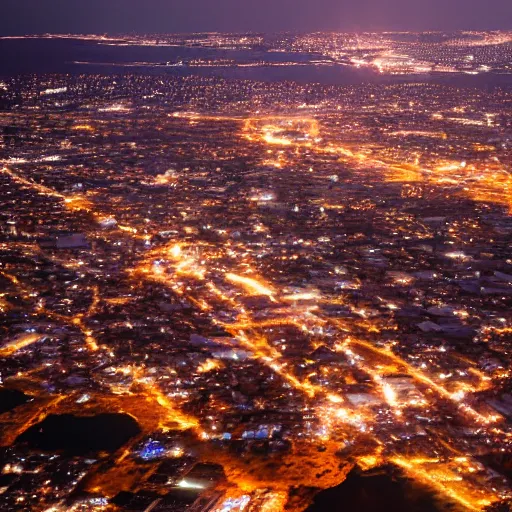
265	284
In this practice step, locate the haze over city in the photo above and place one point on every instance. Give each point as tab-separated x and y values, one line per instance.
163	16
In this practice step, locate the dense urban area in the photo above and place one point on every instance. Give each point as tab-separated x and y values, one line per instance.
228	295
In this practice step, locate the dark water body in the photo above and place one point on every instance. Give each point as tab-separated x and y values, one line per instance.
61	55
27	56
385	491
77	435
11	398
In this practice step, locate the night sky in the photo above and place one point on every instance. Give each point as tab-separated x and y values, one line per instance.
114	16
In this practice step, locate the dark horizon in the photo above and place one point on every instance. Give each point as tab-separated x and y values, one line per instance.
23	17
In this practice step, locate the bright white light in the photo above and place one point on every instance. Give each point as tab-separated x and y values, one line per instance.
55	91
185	484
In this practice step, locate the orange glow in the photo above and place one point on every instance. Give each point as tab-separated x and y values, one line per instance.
253	286
19	343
